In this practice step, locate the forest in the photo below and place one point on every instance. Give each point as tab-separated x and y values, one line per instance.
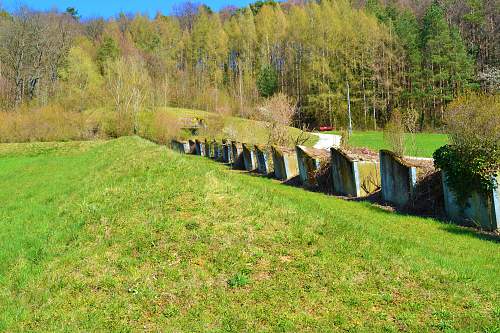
411	56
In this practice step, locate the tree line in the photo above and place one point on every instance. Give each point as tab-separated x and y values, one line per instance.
414	59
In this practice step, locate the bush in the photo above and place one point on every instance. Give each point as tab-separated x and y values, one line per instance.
473	156
394	133
278	112
161	127
45	124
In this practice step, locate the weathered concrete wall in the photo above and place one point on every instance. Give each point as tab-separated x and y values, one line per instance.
249	157
264	160
227	154
216	151
352	177
192	147
398	178
480	210
307	164
209	148
285	163
200	148
180	146
237	152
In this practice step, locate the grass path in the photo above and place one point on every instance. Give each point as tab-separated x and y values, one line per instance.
423	145
125	235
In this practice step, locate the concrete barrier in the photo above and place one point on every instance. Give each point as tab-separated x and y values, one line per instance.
192	147
237	152
200	148
249	157
218	151
285	163
354	175
209	150
481	209
214	150
398	178
180	146
264	160
309	161
227	154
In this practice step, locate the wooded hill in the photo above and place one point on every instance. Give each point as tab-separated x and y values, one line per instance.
414	57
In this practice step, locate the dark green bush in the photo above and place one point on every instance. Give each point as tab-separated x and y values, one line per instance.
472	159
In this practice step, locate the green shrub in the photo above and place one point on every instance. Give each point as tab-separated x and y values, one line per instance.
472	158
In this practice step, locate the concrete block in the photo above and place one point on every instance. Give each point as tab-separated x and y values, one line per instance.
192	147
218	151
208	148
264	160
309	161
237	153
481	209
249	157
285	163
200	147
227	154
180	146
354	175
398	178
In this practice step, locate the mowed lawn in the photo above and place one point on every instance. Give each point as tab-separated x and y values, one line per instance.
125	235
420	144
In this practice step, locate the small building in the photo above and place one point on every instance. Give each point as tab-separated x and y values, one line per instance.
249	157
264	159
309	161
285	163
354	173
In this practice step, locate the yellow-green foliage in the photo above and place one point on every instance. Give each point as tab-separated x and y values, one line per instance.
46	124
81	82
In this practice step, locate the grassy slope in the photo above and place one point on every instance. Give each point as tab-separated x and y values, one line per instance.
249	131
424	144
126	235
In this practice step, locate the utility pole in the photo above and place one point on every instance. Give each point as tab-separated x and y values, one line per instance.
349	109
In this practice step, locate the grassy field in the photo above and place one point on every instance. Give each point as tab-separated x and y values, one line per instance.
125	235
423	145
245	130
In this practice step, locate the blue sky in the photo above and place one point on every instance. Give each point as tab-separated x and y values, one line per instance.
107	8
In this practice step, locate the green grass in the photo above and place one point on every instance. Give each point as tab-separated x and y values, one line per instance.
245	130
424	144
125	235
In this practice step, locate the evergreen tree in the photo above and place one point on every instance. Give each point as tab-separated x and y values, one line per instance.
108	51
267	81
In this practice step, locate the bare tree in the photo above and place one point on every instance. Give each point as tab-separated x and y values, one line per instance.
127	82
278	112
34	48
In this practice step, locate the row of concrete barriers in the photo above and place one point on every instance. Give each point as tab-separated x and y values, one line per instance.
352	174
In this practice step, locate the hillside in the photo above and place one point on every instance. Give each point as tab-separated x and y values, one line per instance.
245	130
126	235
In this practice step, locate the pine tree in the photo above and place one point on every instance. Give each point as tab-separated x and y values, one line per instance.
267	81
108	51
